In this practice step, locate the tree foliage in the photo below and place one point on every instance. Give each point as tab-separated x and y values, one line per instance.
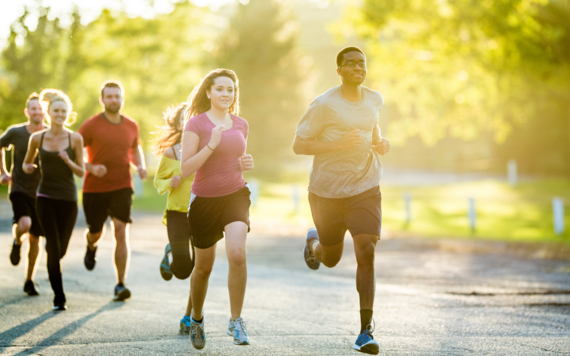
158	61
260	46
471	69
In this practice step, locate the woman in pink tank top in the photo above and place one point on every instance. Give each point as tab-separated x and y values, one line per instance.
213	147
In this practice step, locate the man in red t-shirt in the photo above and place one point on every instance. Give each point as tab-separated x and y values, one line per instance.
112	143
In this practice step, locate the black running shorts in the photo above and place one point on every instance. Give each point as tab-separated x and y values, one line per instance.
209	216
98	206
24	205
359	214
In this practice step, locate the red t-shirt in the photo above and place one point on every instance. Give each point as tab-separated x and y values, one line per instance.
221	173
111	145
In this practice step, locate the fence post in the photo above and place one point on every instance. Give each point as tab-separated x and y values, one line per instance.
295	196
472	214
558	215
512	172
408	206
254	190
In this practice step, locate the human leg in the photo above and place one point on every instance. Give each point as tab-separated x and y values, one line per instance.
122	249
47	215
23	208
199	280
19	231
181	261
95	209
236	234
33	256
198	288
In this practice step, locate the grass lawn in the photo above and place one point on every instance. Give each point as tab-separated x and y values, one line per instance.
523	213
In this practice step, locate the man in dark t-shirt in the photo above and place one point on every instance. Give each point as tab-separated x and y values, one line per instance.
112	143
22	189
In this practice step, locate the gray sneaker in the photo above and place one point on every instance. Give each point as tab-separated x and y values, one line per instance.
237	329
197	333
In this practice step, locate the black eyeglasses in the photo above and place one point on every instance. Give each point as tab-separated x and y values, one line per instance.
352	64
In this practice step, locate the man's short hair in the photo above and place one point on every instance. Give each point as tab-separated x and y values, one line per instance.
340	55
111	84
33	96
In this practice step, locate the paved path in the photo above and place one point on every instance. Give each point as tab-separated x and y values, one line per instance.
428	302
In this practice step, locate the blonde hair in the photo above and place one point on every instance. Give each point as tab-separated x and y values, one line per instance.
170	134
198	101
50	96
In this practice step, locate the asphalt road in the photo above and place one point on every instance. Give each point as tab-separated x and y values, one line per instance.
429	301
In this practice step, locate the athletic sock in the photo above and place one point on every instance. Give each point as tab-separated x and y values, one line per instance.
365	319
120	284
198	322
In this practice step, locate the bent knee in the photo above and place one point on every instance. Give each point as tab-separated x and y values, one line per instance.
24	224
182	273
330	262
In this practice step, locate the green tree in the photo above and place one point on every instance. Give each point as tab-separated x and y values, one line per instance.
472	69
260	46
48	56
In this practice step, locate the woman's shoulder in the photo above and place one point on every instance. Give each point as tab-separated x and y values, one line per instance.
36	136
196	122
240	120
76	136
168	153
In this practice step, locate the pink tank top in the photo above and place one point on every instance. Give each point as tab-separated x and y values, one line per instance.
221	174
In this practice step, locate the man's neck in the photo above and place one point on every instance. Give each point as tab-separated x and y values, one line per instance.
33	127
351	92
113	117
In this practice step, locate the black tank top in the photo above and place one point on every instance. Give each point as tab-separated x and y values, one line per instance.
57	178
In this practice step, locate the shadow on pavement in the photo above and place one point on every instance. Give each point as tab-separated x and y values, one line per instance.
10	335
54	338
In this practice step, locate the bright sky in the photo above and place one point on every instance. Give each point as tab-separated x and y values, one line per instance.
10	10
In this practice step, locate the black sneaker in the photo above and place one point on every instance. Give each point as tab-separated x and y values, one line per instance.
30	289
15	253
121	293
59	307
90	259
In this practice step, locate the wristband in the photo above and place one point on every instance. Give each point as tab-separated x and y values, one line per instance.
209	146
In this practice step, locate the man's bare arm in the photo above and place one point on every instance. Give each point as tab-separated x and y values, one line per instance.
314	147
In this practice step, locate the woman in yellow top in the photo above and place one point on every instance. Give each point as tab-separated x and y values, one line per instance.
179	253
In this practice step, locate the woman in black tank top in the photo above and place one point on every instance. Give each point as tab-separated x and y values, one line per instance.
60	156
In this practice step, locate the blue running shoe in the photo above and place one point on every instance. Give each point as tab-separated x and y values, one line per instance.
185	325
197	333
238	330
165	271
366	343
310	259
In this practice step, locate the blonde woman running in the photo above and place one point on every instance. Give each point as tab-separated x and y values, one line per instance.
179	253
213	147
60	156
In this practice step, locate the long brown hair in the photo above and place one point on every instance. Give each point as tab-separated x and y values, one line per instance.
198	101
170	134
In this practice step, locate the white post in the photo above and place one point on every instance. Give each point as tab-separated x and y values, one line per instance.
408	206
254	189
512	172
472	214
558	214
138	185
295	196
